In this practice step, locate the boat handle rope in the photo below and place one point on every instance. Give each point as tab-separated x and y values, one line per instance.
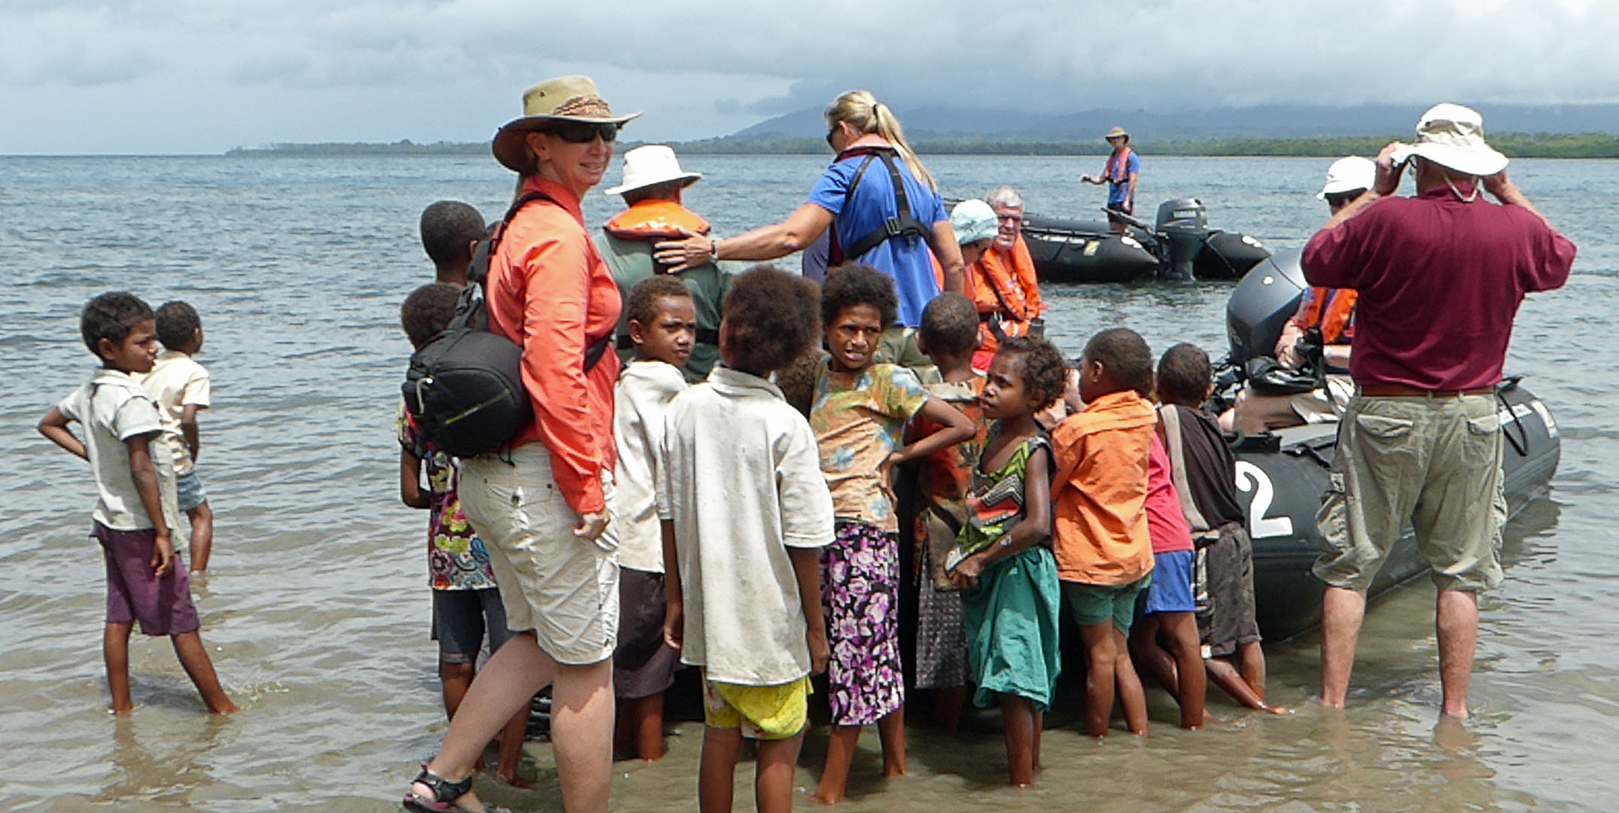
1520	444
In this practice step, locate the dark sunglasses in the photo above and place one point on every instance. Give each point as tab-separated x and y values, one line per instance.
829	134
581	132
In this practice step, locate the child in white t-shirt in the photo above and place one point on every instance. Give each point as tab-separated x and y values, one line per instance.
662	321
745	514
135	505
181	388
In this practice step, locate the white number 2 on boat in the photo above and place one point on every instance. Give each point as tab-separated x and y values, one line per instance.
1253	480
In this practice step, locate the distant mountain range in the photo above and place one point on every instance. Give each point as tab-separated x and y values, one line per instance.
1263	122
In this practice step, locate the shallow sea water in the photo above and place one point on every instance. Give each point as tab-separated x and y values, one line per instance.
316	608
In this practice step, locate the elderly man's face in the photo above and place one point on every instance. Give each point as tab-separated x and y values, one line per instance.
1010	220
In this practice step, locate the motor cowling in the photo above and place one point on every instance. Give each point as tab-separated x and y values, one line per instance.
1184	224
1262	303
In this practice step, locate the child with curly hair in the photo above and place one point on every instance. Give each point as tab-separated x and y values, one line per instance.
1012	600
860	410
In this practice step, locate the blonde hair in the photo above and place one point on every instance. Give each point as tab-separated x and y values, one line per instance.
861	110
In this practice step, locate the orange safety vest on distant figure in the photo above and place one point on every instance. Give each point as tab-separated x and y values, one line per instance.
1330	309
650	220
1006	287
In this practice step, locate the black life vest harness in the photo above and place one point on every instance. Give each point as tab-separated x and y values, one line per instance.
902	224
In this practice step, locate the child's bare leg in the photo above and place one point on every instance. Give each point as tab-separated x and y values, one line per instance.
1181	631
642	727
194	658
716	773
455	678
840	747
1100	658
1251	659
773	774
1230	681
892	731
202	536
1131	696
115	651
1039	718
1146	651
511	750
949	703
1017	717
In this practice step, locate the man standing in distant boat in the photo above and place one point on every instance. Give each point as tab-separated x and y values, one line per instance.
1439	278
1123	167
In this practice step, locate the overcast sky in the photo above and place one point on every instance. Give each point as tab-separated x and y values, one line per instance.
201	76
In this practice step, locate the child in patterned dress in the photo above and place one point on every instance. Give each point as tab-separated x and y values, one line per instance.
1012	600
466	602
859	412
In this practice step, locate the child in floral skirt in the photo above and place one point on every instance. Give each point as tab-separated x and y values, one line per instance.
860	410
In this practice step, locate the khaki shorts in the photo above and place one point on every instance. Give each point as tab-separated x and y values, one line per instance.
552	582
1432	462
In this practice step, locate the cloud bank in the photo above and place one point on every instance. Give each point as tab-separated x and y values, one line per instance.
188	75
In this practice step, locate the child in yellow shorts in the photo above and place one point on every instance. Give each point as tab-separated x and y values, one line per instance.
743	576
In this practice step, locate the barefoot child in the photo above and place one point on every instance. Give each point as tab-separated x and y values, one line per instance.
1164	639
1012	598
859	413
744	515
466	601
949	335
1205	478
1103	551
663	325
181	388
135	506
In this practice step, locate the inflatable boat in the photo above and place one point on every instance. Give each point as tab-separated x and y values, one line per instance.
1282	474
1180	247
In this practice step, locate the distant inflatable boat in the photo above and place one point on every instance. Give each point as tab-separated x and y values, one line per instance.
1180	247
1282	474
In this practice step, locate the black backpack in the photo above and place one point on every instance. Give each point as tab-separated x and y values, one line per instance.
465	386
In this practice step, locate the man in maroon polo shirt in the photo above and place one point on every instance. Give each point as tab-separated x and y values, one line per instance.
1439	277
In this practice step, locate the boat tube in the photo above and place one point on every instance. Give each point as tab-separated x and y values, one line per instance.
1179	247
1282	474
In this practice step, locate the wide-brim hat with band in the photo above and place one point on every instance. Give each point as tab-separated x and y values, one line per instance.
973	220
1348	175
1452	136
567	98
1117	132
651	165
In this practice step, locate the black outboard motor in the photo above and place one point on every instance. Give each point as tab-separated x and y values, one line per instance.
1262	303
1184	223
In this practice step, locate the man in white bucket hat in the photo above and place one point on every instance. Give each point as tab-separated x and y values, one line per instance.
652	186
1439	278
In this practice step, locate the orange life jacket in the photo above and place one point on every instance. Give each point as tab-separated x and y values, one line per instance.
1011	283
1330	309
650	220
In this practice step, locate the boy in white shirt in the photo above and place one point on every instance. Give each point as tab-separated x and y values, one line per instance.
662	322
135	505
181	388
745	513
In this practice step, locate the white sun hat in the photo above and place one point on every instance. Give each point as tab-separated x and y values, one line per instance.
650	165
1347	175
1452	136
973	220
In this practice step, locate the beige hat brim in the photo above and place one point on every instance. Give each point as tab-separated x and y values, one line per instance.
508	144
685	178
1482	160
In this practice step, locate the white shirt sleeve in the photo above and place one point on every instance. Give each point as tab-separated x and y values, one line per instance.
806	502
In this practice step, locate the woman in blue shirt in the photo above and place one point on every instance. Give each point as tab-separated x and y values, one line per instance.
860	197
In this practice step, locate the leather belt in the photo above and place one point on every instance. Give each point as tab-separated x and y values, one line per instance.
1408	391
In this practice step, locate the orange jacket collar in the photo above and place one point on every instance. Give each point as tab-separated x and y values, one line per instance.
655	220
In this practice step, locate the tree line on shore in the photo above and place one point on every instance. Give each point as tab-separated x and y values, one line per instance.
1516	145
